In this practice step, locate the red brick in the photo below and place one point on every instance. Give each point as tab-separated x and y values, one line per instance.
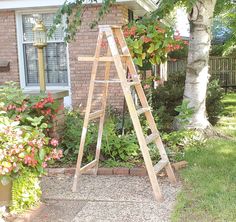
180	165
138	172
121	171
105	171
69	171
55	171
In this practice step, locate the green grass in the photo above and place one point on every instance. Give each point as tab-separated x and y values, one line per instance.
209	183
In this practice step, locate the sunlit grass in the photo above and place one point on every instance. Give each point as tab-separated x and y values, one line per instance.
209	183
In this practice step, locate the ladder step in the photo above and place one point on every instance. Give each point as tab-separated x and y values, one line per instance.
95	114
160	165
101	59
110	26
88	166
108	81
134	83
151	137
143	110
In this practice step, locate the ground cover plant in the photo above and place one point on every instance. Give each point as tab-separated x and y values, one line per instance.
209	184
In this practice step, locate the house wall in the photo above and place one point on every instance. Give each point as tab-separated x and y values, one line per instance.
85	44
8	46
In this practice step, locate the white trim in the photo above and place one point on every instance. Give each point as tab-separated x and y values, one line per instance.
146	5
20	42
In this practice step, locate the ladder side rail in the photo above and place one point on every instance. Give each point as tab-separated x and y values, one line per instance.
134	116
140	92
144	103
102	119
88	109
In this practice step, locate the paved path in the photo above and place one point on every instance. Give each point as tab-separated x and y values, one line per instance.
105	199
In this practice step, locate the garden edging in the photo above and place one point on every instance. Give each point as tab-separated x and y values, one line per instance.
119	171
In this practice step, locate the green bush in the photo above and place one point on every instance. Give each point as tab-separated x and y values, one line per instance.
214	104
166	98
115	147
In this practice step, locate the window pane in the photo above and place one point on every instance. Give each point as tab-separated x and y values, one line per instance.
55	56
55	64
28	24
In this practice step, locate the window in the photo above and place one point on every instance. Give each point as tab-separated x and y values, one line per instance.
55	54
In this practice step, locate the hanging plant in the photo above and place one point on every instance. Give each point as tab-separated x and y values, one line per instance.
150	41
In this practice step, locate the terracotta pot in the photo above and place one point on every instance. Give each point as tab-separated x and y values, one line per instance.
5	194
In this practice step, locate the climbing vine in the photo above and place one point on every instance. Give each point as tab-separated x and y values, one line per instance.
70	17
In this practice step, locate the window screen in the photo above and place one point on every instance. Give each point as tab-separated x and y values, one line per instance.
55	56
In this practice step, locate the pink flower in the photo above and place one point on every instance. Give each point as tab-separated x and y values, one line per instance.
146	86
44	164
54	142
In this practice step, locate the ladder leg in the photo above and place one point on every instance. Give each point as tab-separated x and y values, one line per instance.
86	119
101	122
134	116
144	103
158	141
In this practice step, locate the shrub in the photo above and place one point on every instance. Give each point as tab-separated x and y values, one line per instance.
214	104
25	144
115	147
24	147
20	107
166	98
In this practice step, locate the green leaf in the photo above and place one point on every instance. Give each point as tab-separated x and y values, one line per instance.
6	164
138	61
136	44
42	154
151	48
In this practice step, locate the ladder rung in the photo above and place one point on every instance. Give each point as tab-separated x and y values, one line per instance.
110	26
143	110
160	165
95	114
151	137
101	59
108	81
92	59
88	166
134	83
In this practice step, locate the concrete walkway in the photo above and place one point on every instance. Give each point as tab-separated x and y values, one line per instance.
105	199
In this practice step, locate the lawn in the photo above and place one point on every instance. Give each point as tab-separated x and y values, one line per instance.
209	183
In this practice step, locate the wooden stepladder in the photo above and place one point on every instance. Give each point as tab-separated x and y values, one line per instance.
122	62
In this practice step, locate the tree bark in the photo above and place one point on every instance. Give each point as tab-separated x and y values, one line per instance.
197	75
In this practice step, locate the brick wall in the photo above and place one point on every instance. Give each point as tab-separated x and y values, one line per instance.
85	44
8	46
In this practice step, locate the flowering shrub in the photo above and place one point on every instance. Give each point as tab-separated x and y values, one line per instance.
24	147
150	41
25	124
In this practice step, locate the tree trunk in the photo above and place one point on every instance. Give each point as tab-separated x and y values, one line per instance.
197	66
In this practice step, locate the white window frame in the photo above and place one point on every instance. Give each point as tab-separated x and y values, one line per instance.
19	31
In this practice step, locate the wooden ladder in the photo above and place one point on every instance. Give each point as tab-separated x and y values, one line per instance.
113	34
